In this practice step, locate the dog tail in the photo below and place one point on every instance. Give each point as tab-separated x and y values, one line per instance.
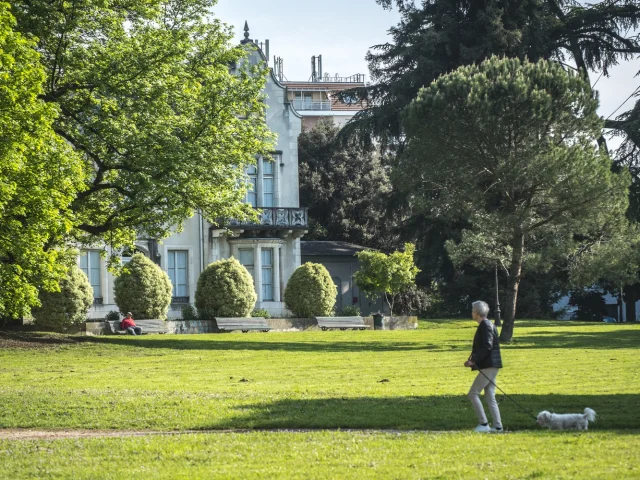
590	414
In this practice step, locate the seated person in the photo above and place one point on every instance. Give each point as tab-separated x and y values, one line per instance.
129	325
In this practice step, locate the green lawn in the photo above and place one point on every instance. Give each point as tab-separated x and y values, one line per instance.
320	380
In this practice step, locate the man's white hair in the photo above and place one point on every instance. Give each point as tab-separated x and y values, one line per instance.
481	308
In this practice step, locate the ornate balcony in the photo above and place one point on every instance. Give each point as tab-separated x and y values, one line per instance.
275	218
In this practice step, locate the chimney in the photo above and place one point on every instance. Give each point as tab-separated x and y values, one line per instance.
314	77
266	48
319	68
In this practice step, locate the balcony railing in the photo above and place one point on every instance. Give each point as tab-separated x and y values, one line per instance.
306	105
275	218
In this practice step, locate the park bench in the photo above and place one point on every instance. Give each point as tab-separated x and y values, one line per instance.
343	323
245	324
148	326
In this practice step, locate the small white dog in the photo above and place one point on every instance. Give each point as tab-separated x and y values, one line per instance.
567	421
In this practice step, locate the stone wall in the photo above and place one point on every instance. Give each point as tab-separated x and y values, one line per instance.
277	324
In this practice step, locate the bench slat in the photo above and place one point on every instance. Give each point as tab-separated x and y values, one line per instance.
341	322
244	324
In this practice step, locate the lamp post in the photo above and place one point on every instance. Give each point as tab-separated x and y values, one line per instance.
497	321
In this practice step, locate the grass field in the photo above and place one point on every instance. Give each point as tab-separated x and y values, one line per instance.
396	381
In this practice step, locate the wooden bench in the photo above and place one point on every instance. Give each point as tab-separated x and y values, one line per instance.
245	324
343	323
147	326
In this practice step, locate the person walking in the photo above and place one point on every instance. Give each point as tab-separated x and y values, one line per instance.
129	325
485	357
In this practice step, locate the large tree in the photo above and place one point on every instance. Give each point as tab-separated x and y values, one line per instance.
160	105
510	146
39	178
435	37
345	186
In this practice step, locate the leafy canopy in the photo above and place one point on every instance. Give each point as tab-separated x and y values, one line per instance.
389	274
40	176
149	98
345	186
510	146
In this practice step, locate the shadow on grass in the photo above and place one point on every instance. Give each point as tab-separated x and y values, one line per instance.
611	340
222	343
614	412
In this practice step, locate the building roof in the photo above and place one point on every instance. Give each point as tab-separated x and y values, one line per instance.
314	248
323	86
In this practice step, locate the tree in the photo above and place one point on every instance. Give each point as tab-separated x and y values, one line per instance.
70	305
344	184
39	178
164	111
435	37
388	274
511	147
143	289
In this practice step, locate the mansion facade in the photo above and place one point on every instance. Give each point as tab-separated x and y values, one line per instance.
269	248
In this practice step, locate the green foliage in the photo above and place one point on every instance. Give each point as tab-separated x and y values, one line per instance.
188	312
260	312
590	303
225	289
388	274
349	311
143	289
510	147
310	292
345	185
112	315
39	178
414	301
147	98
67	307
436	37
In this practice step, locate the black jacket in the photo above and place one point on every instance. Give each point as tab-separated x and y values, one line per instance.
486	347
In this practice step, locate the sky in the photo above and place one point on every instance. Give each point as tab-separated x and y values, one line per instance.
342	31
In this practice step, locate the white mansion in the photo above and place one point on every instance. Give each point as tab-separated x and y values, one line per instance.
269	249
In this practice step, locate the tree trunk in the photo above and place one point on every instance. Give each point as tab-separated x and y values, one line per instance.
630	295
515	274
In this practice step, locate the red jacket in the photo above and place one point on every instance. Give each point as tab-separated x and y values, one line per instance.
126	323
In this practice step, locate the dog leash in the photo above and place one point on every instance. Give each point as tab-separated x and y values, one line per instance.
505	394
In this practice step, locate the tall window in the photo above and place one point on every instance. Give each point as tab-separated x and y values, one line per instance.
178	272
90	265
267	274
267	183
246	259
252	189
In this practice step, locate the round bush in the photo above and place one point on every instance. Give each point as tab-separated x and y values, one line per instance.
67	307
143	289
310	292
225	289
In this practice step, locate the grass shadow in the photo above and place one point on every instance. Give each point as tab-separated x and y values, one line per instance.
319	346
445	413
614	339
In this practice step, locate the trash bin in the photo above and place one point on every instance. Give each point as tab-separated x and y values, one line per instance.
378	321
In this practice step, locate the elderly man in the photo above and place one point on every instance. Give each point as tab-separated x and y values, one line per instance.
485	357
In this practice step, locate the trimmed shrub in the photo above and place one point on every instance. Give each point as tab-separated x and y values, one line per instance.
189	313
143	289
225	289
112	315
67	307
260	312
415	301
310	291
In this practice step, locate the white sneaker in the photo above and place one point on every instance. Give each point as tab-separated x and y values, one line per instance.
497	430
482	429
